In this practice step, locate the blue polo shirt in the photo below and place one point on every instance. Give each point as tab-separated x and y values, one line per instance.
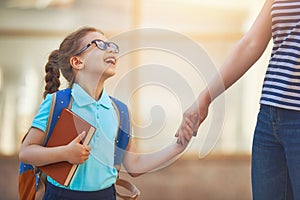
98	172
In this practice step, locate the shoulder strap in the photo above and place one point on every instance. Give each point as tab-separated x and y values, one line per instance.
123	135
121	143
55	110
50	118
61	101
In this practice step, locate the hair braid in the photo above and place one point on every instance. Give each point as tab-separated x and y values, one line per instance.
52	74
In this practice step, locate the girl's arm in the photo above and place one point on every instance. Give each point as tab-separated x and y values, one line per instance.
138	163
244	54
31	151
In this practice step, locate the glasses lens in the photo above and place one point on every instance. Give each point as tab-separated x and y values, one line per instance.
114	47
104	45
101	44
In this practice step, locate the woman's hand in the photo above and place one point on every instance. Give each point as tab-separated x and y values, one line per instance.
76	152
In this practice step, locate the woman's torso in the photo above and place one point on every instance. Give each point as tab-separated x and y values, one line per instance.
281	86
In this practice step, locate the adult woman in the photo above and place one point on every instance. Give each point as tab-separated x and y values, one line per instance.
276	143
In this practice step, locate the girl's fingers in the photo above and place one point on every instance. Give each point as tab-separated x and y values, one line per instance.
88	148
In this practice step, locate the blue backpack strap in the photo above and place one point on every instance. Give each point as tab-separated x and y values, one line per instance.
123	135
62	101
24	167
121	143
60	96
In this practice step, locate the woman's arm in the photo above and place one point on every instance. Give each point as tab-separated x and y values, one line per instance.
31	151
244	54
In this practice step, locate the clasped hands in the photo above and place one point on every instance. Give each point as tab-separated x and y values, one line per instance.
192	118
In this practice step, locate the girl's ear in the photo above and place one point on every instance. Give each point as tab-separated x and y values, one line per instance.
76	62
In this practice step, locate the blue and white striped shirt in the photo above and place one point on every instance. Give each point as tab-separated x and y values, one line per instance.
281	86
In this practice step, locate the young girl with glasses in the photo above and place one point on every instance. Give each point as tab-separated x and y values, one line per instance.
86	59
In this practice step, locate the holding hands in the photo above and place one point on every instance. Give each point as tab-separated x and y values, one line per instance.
192	118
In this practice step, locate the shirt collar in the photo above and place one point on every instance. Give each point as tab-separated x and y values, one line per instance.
82	98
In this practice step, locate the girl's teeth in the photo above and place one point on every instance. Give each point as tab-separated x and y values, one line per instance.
110	61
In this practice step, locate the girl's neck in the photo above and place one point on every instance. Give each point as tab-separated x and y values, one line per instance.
93	89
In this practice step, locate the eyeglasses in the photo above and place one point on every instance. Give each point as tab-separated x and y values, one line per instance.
102	45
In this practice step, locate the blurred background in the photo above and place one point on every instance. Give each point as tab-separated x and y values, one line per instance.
168	48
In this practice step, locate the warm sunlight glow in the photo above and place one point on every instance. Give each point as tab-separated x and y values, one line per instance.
1	78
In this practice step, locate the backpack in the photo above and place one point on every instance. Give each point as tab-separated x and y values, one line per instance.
32	181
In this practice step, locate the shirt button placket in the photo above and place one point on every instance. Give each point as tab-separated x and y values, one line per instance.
98	110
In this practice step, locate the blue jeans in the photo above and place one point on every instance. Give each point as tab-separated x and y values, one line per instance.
276	155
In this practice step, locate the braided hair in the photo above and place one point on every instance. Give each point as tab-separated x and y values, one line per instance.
59	60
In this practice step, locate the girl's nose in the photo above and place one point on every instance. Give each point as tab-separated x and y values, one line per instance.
110	50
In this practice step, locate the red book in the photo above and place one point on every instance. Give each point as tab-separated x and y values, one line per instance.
68	127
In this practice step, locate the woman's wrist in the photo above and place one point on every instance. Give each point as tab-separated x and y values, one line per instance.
204	99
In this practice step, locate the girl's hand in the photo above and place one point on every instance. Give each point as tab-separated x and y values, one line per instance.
76	152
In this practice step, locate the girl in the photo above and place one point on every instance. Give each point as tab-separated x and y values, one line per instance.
276	143
86	59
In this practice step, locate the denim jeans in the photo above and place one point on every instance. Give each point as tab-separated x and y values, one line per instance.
276	155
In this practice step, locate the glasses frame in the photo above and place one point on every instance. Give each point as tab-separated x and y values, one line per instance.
100	44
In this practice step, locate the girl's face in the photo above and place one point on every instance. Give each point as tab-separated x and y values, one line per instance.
96	62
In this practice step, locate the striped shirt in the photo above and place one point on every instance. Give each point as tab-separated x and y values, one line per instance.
281	86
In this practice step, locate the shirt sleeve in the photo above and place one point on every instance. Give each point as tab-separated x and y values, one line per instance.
41	118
